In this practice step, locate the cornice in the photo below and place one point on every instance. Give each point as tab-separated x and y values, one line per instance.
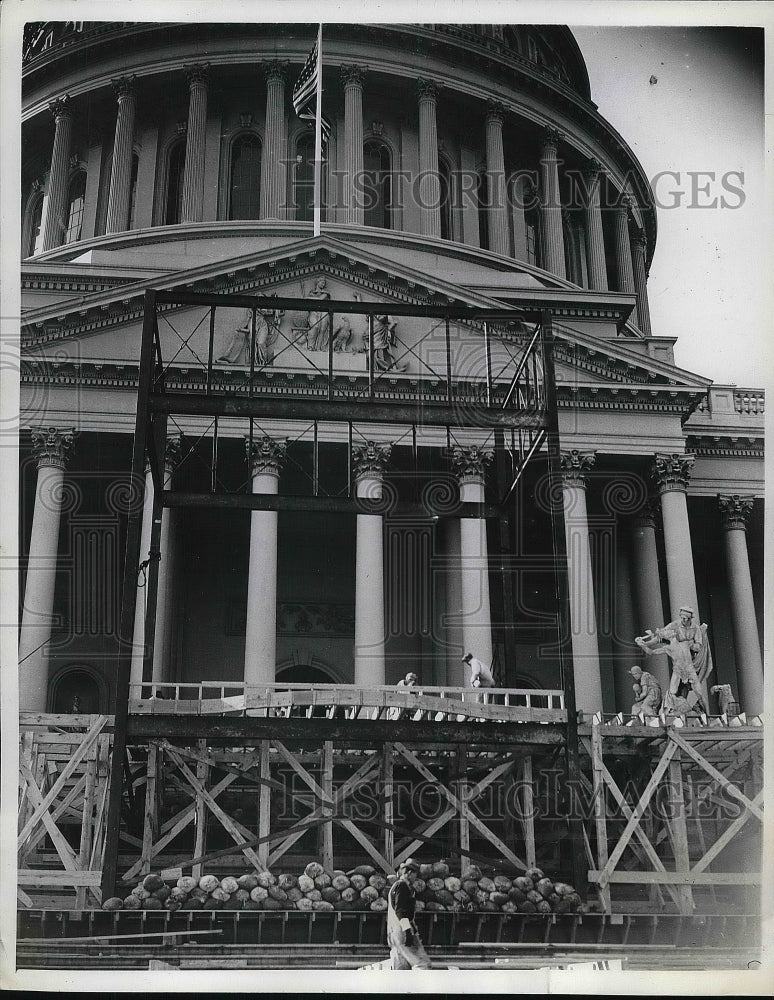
726	445
654	398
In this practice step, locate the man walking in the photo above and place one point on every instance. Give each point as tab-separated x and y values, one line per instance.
406	948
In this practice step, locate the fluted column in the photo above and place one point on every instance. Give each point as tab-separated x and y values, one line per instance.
121	169
429	183
164	592
274	151
265	459
195	140
639	250
369	461
735	512
469	465
495	172
671	474
55	221
595	240
583	613
52	449
649	608
623	252
352	77
551	205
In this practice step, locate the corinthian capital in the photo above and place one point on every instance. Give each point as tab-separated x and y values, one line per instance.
735	511
648	515
353	74
672	472
51	446
199	73
495	111
369	460
123	86
61	107
575	465
265	455
275	69
469	463
427	89
552	137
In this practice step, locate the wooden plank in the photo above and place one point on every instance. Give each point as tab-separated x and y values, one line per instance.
729	786
225	820
61	809
22	897
49	877
149	823
725	838
326	830
63	849
428	775
301	771
679	831
75	760
639	809
366	844
600	811
528	819
103	770
200	810
33	720
264	802
493	839
87	825
464	798
666	878
389	804
427	833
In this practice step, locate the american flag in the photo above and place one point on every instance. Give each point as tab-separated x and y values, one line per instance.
305	92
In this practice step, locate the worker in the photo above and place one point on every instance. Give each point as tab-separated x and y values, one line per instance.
406	948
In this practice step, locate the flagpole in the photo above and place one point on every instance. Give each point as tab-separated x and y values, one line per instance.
318	137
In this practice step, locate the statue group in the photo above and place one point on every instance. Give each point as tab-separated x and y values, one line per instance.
312	332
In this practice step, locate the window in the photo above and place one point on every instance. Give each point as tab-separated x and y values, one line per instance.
133	190
377	185
34	240
75	201
175	167
244	197
303	179
444	178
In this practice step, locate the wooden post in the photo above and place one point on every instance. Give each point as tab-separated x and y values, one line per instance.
264	805
325	834
149	818
678	830
462	795
389	805
87	821
200	841
600	811
528	822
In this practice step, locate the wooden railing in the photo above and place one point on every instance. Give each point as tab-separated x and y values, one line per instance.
425	702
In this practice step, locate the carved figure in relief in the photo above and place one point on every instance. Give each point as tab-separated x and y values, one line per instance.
267	322
318	324
728	704
647	693
384	342
685	643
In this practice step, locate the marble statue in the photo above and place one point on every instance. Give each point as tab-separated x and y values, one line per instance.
267	322
726	701
647	693
685	643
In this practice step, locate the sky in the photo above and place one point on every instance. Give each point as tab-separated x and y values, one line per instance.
690	100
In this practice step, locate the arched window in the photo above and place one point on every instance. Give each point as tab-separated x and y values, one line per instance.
377	185
33	243
76	197
244	197
446	195
133	190
482	197
77	690
303	179
175	167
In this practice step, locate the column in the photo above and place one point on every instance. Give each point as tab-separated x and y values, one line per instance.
274	143
649	611
625	652
671	474
265	459
165	596
52	449
121	169
735	512
369	461
551	205
56	201
495	171
639	251
352	77
595	240
623	252
429	184
469	466
193	174
583	614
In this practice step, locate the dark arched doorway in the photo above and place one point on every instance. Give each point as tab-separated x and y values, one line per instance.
76	690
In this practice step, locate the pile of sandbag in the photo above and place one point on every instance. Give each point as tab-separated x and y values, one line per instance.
361	888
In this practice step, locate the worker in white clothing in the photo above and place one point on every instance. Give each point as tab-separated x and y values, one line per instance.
406	948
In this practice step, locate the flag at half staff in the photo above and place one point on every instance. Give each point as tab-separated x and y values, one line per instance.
305	92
